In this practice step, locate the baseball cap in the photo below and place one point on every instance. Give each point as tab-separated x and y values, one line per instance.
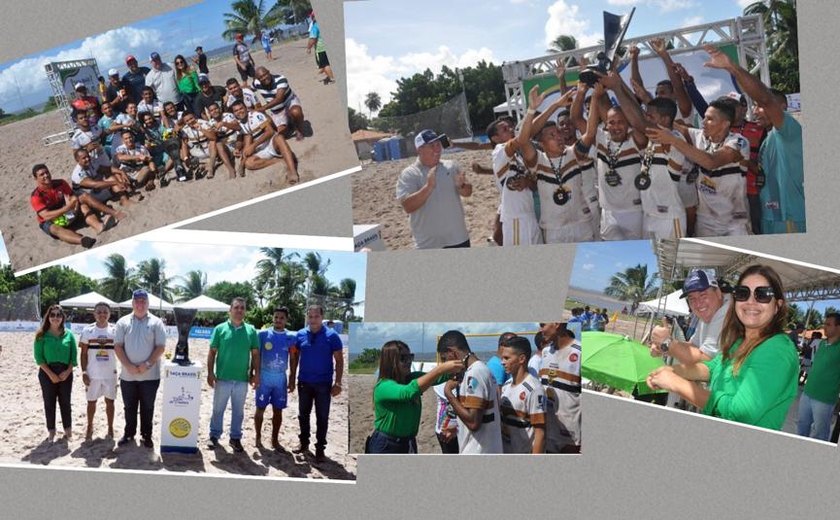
698	280
737	96
154	57
426	137
113	72
199	48
202	78
139	294
79	85
129	58
239	36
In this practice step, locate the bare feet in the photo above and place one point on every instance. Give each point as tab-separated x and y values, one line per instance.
89	433
150	185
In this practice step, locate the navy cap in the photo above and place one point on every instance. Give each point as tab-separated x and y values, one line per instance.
698	280
426	137
154	57
140	294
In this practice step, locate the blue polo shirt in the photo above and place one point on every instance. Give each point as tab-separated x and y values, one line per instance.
316	354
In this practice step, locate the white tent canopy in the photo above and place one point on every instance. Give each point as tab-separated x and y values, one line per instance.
204	304
155	304
672	306
86	300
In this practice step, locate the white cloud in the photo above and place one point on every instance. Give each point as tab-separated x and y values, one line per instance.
692	20
588	267
565	18
109	49
366	73
664	5
744	3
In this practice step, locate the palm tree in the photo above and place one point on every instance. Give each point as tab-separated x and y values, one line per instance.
346	294
193	285
152	276
373	102
632	285
121	279
250	17
564	42
315	267
779	23
278	276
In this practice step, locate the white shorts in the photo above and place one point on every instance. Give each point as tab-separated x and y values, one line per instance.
662	226
688	193
281	118
268	151
199	152
521	231
621	225
102	387
709	227
570	233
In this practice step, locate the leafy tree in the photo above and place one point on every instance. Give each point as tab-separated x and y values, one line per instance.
795	315
367	359
250	17
373	102
152	275
193	285
831	310
299	9
564	42
226	291
357	120
632	285
61	282
780	26
121	279
346	293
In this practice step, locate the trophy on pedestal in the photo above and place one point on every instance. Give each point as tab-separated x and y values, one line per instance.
615	27
183	319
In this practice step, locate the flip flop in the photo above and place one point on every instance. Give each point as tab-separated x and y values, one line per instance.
87	242
109	222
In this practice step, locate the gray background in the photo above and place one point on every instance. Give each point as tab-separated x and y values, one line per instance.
637	460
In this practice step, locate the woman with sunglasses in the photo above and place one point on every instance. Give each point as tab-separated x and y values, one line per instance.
187	79
55	353
396	398
754	378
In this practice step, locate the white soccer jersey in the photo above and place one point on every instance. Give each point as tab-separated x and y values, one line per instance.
82	138
248	97
138	151
254	126
722	192
618	165
195	137
478	391
224	133
523	408
102	361
560	185
509	166
269	92
155	108
662	197
560	377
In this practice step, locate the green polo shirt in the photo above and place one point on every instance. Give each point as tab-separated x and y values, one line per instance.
824	377
56	349
397	408
764	388
233	347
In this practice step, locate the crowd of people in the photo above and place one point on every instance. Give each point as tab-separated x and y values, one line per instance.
274	361
154	125
522	400
633	165
739	363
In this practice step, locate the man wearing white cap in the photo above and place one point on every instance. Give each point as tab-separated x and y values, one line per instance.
162	79
83	102
116	92
430	191
709	304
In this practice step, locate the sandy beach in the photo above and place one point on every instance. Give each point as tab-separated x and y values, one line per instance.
328	150
374	199
23	432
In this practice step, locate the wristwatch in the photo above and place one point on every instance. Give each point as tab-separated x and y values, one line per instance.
148	365
663	347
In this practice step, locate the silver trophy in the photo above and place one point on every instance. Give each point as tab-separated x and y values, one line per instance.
615	27
183	319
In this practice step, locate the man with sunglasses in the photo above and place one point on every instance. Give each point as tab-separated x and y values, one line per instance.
474	397
816	405
708	303
232	362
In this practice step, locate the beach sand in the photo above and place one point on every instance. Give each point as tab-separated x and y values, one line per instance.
23	431
374	199
328	150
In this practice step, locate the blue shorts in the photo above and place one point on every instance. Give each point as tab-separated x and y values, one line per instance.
272	391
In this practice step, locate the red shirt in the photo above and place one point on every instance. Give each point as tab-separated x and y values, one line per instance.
51	198
84	103
754	133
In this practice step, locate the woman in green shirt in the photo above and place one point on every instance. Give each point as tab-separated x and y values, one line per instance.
754	378
187	79
55	353
396	399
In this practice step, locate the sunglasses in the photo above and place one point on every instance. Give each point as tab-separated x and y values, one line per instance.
56	315
763	294
406	358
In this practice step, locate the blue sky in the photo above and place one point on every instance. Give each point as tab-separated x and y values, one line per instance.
422	337
177	32
231	263
387	40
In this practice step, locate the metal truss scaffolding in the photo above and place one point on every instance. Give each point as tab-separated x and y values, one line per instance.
63	105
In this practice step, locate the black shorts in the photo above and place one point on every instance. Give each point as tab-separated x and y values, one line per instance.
321	59
247	72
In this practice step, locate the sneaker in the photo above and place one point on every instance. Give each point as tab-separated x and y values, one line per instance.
303	447
320	456
147	442
236	444
213	443
124	440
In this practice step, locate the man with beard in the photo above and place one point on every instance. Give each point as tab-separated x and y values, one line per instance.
281	103
236	92
135	79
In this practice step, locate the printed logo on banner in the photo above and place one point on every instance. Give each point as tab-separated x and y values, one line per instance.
180	427
184	399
